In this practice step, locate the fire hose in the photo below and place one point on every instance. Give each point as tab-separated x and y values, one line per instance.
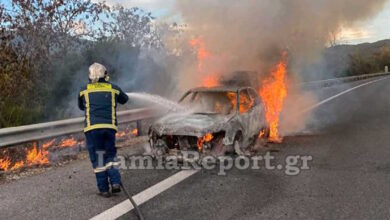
140	216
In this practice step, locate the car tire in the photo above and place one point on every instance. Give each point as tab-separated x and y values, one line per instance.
218	149
159	149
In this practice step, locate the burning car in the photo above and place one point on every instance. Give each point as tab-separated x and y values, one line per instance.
217	120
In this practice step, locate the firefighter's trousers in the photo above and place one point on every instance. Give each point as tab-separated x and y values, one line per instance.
102	152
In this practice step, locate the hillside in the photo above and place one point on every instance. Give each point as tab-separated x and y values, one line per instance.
346	60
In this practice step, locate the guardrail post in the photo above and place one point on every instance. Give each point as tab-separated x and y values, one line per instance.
139	128
386	69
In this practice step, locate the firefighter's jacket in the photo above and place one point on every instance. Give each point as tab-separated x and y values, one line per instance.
99	101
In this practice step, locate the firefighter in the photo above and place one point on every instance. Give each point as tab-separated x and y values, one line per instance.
99	100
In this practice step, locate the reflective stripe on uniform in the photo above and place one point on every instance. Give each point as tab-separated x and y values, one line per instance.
100	87
100	90
87	109
111	164
106	167
113	107
99	169
98	126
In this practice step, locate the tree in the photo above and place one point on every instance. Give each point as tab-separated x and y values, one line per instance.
132	26
383	58
358	64
34	34
45	45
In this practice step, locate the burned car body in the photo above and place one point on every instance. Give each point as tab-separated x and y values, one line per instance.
218	120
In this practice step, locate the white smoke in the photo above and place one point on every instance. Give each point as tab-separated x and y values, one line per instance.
251	32
250	35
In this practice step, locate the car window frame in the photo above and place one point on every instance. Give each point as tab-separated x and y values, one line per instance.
238	101
256	96
194	93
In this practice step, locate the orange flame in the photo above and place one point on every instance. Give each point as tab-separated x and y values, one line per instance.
202	55
127	133
210	81
37	157
233	99
48	144
261	134
120	134
273	93
246	103
205	139
70	142
5	163
17	165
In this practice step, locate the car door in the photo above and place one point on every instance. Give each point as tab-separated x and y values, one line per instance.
248	111
257	112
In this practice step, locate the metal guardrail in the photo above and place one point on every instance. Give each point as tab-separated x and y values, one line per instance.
23	134
28	133
331	82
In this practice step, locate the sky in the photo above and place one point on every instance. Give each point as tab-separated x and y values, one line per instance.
159	8
377	28
374	29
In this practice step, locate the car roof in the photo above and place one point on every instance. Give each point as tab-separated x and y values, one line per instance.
218	89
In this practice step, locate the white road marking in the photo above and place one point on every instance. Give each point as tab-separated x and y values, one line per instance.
340	94
142	197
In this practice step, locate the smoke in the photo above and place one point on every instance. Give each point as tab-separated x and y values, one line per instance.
249	32
250	35
238	35
134	69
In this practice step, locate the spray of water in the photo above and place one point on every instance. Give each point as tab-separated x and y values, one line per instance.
155	99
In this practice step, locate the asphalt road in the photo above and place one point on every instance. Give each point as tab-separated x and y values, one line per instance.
348	176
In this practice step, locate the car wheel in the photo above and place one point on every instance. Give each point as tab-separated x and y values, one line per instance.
159	148
218	148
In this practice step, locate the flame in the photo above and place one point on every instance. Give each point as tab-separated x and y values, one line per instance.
207	138
210	81
48	144
34	157
37	157
5	163
273	93
246	103
70	142
203	55
67	142
233	98
17	165
261	134
120	134
126	133
201	51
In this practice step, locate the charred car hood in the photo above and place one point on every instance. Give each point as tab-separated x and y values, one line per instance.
190	124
